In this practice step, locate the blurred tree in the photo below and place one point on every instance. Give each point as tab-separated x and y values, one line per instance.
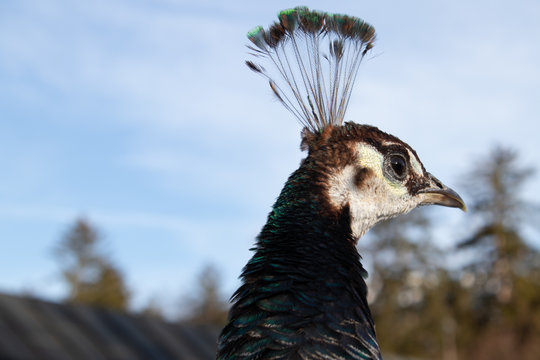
503	277
494	186
206	306
91	278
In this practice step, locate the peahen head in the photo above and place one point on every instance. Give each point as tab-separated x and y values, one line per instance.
313	60
373	174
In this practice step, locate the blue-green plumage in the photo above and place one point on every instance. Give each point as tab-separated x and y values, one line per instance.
303	294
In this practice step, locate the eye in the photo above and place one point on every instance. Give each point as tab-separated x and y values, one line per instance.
396	166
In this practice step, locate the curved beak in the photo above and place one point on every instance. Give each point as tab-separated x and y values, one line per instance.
436	193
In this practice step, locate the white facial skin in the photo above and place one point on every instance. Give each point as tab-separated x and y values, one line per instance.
377	198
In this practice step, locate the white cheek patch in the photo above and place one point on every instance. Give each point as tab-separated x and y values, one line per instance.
341	185
370	158
342	190
375	199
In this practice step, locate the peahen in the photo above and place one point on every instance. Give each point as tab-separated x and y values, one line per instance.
303	294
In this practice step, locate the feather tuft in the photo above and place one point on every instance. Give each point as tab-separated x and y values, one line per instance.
314	86
289	18
311	21
277	32
256	36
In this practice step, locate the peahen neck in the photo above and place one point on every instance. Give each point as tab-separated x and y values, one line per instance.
303	291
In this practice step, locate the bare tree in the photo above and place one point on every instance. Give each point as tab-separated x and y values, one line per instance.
503	278
91	277
206	305
495	185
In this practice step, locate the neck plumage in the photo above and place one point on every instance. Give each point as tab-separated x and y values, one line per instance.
303	292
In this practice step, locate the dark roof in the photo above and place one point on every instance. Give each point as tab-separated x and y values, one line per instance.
37	329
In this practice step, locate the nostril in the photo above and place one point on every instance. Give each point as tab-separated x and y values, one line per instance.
436	182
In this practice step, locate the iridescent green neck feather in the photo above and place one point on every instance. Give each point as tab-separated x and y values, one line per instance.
303	294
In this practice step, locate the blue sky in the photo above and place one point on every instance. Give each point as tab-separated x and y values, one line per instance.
142	117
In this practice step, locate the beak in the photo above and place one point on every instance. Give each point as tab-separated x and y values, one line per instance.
436	193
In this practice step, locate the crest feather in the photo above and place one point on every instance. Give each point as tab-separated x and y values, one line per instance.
314	57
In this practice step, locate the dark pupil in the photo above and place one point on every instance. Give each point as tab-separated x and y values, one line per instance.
398	165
